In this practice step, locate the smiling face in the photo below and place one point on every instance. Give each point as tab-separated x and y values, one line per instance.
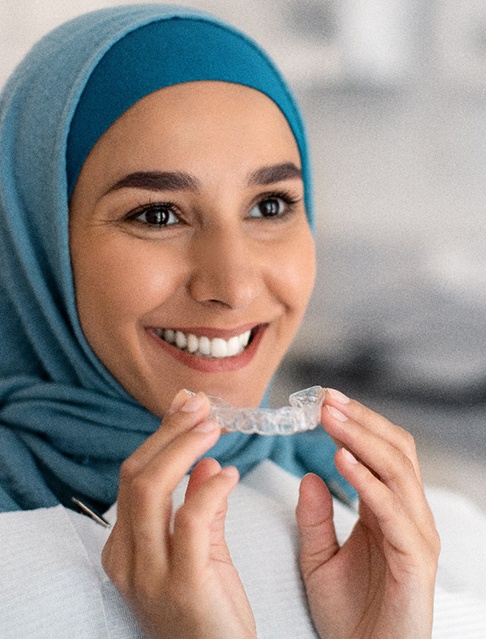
192	256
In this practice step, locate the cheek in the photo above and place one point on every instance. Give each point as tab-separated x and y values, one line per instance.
117	284
296	274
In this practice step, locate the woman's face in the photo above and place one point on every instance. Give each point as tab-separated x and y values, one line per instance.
192	256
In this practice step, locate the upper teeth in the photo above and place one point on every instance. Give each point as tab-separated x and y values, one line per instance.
204	346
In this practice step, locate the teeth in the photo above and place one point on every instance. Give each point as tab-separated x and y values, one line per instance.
244	339
180	340
234	346
192	343
219	348
203	346
169	335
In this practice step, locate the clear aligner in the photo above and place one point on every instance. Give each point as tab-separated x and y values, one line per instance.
303	414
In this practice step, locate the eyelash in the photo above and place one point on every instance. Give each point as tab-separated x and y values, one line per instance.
290	201
287	198
133	216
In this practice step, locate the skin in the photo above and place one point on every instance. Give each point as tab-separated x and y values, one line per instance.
218	269
380	583
223	265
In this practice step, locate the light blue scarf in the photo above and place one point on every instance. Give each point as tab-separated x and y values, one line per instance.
65	423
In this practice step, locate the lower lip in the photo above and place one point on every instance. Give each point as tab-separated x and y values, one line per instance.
214	364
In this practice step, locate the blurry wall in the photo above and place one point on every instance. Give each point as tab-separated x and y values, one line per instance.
394	96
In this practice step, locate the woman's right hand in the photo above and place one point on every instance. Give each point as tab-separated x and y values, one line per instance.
178	581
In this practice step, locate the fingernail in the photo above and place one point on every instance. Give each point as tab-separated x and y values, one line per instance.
193	403
179	400
230	471
338	396
349	457
337	414
207	426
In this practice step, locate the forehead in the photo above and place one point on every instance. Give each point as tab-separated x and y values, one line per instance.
197	109
196	124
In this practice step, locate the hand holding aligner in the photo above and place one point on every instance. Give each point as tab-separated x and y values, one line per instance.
302	414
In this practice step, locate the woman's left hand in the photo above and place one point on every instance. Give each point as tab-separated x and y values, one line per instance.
380	583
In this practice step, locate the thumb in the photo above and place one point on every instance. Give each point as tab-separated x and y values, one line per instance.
318	541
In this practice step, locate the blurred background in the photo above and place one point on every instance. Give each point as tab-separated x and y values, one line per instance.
394	95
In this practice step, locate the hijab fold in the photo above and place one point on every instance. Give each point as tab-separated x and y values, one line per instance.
66	424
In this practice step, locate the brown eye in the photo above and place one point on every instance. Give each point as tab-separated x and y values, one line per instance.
156	215
269	207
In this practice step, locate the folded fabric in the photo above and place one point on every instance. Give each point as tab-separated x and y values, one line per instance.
52	584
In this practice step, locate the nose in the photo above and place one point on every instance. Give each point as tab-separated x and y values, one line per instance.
227	269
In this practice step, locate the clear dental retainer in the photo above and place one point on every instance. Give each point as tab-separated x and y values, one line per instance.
304	413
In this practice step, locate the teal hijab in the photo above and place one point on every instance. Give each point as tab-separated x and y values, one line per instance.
66	424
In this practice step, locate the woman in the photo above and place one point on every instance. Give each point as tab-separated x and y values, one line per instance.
156	213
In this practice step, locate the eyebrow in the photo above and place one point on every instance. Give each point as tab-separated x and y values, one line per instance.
157	181
275	173
180	181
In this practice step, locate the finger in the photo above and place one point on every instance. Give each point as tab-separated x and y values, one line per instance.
151	502
406	547
152	486
167	467
395	469
195	524
146	492
185	412
318	541
139	540
203	470
118	559
376	423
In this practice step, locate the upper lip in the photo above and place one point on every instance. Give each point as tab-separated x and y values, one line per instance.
211	332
